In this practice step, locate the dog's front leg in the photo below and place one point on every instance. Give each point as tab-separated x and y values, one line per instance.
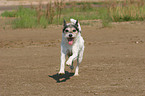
62	65
72	58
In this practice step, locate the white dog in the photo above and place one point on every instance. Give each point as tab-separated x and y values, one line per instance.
72	45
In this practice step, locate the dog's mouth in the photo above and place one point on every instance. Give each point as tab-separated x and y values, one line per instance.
70	41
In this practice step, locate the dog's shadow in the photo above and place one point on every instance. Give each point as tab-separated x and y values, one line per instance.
61	78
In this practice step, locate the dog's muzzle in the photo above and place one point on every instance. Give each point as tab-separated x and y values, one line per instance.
70	40
70	35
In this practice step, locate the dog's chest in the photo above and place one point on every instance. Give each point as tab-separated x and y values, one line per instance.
69	51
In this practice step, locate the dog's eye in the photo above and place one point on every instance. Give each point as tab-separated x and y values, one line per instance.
74	30
66	30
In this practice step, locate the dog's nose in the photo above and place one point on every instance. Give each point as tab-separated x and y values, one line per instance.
70	35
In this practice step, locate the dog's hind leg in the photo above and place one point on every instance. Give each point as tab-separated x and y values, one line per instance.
71	67
77	69
79	60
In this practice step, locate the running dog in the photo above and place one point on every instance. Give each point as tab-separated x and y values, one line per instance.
72	45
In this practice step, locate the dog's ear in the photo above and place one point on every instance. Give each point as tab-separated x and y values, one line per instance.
76	23
64	23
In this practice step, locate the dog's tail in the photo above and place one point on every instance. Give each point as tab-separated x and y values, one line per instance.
74	21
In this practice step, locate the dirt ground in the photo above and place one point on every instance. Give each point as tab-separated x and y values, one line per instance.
113	64
36	2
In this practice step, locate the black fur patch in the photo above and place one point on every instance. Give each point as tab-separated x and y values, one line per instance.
76	27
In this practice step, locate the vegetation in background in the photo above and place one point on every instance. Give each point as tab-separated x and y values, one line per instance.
130	10
55	12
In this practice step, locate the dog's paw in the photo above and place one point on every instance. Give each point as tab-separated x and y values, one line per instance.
76	74
69	63
61	73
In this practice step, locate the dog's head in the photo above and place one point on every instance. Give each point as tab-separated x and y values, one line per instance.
70	31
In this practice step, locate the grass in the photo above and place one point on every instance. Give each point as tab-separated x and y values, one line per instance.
8	14
127	12
54	13
25	18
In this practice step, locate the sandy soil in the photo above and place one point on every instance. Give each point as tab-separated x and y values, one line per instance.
21	2
113	64
33	2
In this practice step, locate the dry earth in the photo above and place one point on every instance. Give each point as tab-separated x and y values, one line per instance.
113	64
36	2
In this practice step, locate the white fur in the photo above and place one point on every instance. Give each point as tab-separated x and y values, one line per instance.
74	21
76	49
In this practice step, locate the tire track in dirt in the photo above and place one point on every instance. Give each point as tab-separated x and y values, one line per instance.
55	43
28	43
